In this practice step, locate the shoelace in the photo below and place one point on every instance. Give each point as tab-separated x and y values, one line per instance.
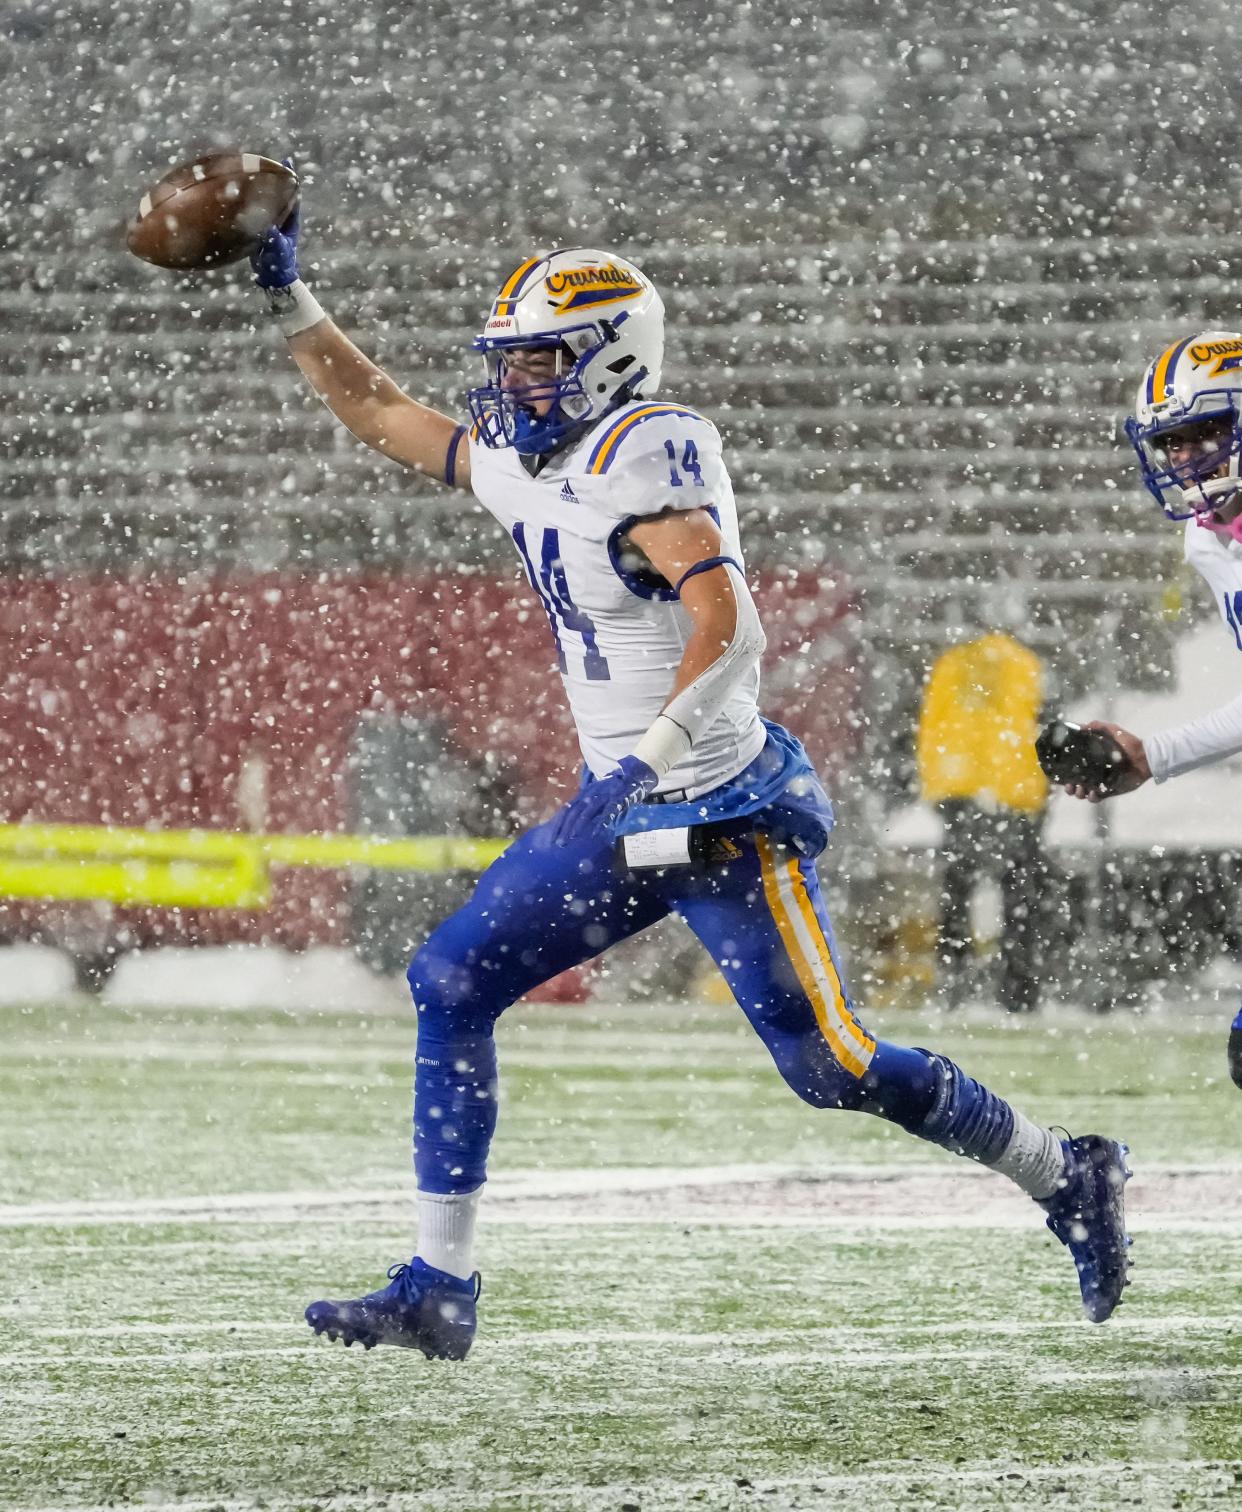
407	1286
401	1272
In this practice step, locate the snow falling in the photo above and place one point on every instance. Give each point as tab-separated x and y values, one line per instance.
915	260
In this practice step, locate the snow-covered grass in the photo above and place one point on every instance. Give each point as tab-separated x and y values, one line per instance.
697	1293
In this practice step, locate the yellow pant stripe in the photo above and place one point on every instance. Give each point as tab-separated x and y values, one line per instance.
816	931
779	893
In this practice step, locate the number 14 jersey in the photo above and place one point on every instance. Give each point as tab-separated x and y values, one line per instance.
619	629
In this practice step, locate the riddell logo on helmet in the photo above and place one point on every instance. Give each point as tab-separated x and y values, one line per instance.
1224	355
578	287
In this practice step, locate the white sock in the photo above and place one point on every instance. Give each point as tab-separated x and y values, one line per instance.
1033	1158
446	1230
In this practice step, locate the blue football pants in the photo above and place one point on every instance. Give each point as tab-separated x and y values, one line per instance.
759	910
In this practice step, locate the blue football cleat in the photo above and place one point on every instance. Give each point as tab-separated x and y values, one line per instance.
422	1308
1088	1215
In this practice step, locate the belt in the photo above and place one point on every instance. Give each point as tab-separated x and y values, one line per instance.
674	795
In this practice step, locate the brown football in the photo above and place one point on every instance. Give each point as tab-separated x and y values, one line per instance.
212	211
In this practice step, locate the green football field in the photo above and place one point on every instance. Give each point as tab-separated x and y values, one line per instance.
697	1292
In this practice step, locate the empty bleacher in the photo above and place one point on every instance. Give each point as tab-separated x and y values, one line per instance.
914	257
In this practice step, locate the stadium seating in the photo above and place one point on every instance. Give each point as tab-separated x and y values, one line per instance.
913	263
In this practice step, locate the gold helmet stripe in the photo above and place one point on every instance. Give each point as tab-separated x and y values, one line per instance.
1163	371
504	300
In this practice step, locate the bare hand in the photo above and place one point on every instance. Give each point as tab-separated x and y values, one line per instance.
1136	773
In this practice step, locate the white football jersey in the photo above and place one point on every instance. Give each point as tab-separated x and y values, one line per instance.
1219	563
1218	734
619	631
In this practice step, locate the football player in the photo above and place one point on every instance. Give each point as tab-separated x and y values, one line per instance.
1187	432
620	508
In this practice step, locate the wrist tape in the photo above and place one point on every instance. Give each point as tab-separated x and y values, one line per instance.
296	309
664	745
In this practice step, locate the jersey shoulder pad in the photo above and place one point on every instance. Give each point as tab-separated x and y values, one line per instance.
474	442
1188	540
658	455
1201	549
490	467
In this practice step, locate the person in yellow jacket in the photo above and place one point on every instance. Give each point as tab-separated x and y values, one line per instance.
976	760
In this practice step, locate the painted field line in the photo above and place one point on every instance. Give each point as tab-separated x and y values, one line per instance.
1002	1207
210	1052
841	1227
275	1206
373	1052
164	1330
668	1491
35	1362
821	1347
573	1181
824	1348
1179	1325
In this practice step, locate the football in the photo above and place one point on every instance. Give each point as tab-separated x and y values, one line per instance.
211	211
1070	753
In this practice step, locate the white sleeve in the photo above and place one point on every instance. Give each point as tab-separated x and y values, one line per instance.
697	707
1196	743
669	461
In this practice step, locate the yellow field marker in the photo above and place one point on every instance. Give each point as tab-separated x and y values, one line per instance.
203	868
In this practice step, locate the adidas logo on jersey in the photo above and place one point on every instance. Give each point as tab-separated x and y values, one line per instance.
567	493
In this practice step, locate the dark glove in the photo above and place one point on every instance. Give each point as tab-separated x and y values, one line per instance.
1073	756
275	259
602	804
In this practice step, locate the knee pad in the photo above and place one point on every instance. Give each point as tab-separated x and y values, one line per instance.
813	1072
449	994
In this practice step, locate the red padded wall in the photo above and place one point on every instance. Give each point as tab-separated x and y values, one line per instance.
136	702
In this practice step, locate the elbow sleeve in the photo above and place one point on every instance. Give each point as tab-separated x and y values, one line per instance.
698	705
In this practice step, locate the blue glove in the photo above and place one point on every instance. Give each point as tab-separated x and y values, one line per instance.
275	259
602	804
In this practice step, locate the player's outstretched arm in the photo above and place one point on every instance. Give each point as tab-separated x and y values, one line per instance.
1199	742
725	643
361	395
1170	753
687	551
